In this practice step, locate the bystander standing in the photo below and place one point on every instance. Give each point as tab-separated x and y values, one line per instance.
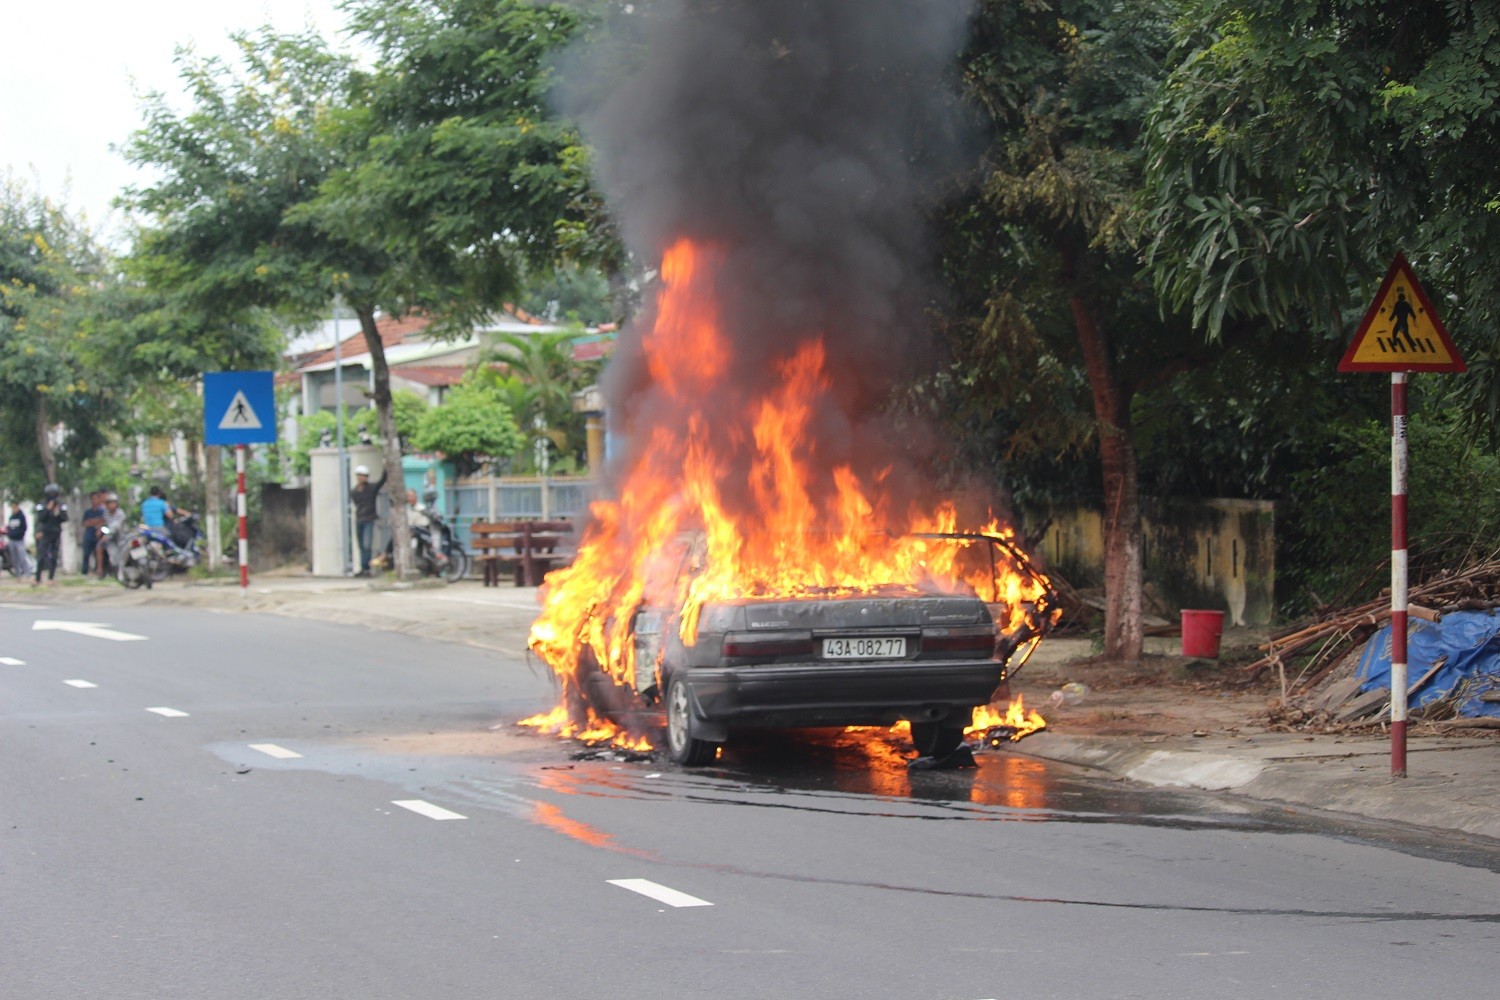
364	495
47	525
15	541
93	518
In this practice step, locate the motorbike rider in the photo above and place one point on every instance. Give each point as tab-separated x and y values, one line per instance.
416	519
15	541
416	513
48	519
156	510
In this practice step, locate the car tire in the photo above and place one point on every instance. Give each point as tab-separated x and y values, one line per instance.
935	739
683	746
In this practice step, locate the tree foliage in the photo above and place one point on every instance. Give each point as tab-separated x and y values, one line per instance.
472	426
465	177
55	405
1297	145
1054	334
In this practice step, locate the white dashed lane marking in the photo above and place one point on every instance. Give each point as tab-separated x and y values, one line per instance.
11	661
81	684
272	750
660	893
427	809
170	713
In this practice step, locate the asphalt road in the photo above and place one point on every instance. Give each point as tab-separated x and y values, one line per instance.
154	855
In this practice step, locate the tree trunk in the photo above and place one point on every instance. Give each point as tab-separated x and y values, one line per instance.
44	438
400	532
213	503
1123	636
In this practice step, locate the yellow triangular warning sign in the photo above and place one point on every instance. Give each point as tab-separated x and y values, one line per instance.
1401	332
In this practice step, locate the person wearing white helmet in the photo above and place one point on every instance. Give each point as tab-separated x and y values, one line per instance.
363	495
112	547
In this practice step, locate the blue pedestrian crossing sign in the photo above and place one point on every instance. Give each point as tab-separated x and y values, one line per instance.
239	408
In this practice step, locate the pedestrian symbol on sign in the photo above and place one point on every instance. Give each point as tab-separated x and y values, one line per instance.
240	416
1401	332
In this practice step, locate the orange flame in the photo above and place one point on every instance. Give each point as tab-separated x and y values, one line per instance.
802	524
1015	718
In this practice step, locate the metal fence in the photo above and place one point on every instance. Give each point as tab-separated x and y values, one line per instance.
513	498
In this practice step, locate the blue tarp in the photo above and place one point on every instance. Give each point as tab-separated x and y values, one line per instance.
1471	642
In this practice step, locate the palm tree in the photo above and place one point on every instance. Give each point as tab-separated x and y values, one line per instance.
541	366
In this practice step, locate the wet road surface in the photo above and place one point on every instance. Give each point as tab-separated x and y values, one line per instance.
337	813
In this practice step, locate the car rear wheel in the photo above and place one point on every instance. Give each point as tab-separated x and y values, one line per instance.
935	739
683	747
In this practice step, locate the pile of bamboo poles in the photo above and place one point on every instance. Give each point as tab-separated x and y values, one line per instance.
1334	633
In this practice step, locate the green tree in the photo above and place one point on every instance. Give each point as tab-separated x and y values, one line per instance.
1293	148
55	406
1296	145
471	427
1055	336
316	428
546	377
569	294
424	186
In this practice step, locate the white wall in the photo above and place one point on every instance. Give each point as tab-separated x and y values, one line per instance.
325	499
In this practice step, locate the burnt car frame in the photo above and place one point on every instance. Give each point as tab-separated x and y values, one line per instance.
867	659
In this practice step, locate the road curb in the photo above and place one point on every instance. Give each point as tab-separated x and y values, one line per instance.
1148	765
1450	788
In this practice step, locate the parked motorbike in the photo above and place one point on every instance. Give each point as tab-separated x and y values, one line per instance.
173	548
7	564
140	562
446	558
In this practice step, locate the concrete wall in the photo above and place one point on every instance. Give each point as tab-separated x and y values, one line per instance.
282	537
324	507
1210	554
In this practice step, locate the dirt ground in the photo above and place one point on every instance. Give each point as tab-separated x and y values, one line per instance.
1173	695
1167	695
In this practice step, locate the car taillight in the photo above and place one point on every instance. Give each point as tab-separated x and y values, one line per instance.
762	644
975	639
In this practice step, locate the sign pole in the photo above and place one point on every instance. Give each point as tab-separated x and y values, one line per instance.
1398	574
239	408
239	475
1401	333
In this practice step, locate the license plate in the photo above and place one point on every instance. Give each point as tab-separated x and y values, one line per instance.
871	648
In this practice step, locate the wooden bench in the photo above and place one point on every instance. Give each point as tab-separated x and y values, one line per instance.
529	549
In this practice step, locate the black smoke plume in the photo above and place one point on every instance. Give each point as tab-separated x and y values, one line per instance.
804	139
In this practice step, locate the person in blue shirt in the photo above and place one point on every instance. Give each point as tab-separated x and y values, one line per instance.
155	509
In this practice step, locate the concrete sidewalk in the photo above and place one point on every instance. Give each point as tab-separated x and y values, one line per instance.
1169	737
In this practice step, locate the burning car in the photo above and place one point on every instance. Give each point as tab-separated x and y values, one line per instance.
754	568
928	652
874	658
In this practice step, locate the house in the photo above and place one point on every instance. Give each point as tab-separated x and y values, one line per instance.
418	362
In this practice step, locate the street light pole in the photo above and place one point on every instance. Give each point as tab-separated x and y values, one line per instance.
338	392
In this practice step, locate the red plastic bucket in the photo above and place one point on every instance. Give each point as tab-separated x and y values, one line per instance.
1201	631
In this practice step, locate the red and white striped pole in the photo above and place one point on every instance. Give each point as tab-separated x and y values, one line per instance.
239	476
1398	574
